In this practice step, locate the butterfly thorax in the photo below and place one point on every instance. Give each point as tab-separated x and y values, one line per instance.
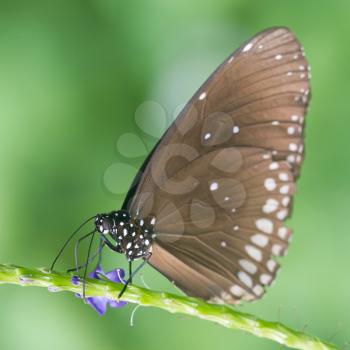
130	236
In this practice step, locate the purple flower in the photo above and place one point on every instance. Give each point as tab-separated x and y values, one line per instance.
100	303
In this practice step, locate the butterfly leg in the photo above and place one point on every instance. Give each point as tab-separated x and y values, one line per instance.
86	264
146	258
130	270
111	245
98	253
77	246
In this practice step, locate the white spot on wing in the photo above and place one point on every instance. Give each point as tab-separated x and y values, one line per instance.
271	265
248	266
215	300
260	240
283	176
270	184
293	147
247	47
235	129
237	290
225	296
291	158
277	249
282	214
245	279
258	290
214	186
264	225
290	130
274	166
285	201
265	278
253	252
203	95
284	189
283	232
270	206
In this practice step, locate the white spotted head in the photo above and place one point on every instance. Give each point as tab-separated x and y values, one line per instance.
104	223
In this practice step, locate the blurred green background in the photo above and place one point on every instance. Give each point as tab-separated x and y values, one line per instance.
72	74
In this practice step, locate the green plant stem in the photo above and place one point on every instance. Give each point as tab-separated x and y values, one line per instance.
223	315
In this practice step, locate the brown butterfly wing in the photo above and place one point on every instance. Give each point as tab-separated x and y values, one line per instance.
220	181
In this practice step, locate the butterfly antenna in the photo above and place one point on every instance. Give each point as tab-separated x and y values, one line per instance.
68	240
87	262
133	314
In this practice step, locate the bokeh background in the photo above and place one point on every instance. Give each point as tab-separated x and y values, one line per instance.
72	74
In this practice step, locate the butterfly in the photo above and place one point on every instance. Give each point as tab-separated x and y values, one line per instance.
207	208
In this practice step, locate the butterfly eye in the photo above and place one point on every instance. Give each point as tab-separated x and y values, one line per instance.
104	224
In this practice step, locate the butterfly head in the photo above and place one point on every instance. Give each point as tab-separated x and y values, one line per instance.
104	223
